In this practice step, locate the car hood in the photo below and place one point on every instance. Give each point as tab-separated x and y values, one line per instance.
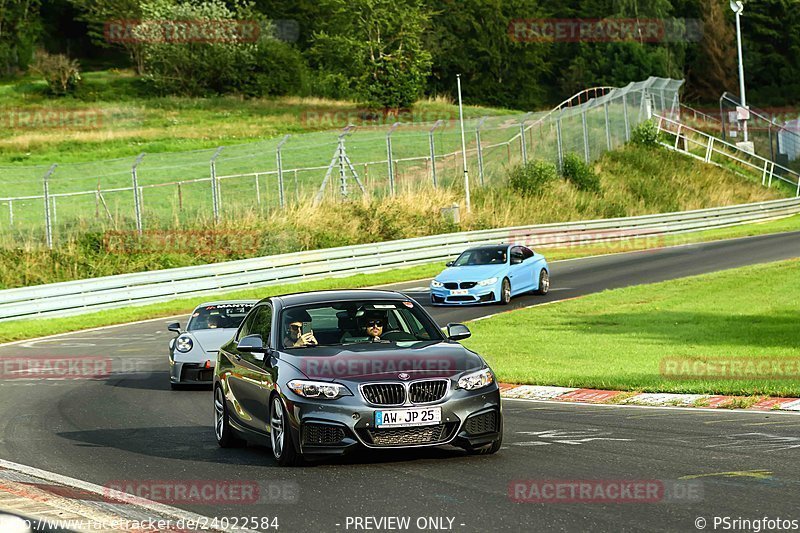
470	273
376	361
211	339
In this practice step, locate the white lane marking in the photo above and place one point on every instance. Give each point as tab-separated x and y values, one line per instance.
703	410
767	442
106	492
417	289
565	436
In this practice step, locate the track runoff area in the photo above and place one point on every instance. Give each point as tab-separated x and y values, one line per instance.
562	467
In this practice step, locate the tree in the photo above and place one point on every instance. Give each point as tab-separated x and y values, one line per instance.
19	30
372	49
99	14
714	69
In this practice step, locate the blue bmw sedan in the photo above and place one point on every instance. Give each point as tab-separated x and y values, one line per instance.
491	273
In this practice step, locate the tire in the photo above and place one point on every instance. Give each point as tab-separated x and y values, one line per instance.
226	435
283	449
175	386
505	292
544	283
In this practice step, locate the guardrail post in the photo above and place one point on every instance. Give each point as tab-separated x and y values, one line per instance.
389	157
433	151
47	221
215	192
709	148
523	148
585	136
625	116
137	201
480	148
279	159
560	142
608	127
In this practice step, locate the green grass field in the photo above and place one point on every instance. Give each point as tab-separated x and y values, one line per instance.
619	339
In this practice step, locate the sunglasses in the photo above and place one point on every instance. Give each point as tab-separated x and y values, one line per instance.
373	323
296	327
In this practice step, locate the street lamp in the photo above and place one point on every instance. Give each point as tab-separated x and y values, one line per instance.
738	7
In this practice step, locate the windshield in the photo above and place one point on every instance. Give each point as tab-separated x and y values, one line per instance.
222	316
399	323
495	255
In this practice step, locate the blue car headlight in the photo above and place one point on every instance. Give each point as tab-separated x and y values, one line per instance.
490	281
476	380
437	284
183	344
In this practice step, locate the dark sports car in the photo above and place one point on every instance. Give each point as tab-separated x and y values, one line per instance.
319	374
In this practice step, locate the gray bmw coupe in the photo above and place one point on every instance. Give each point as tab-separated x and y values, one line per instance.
319	374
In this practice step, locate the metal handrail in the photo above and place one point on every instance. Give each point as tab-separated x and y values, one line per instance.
81	296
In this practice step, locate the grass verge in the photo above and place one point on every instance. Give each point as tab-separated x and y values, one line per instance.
620	339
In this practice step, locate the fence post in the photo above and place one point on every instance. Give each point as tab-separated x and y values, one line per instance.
342	174
608	127
625	114
480	148
279	158
55	213
523	148
560	142
215	196
47	222
389	157
10	212
180	197
433	151
585	136
137	201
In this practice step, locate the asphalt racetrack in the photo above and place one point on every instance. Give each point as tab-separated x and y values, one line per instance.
130	427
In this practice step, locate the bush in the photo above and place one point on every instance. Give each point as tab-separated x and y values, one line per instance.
580	174
61	73
533	177
645	134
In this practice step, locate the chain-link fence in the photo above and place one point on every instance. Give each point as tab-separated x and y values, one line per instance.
187	189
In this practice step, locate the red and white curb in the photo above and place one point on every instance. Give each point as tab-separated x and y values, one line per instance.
659	399
70	504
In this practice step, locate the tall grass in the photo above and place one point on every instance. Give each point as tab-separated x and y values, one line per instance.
633	181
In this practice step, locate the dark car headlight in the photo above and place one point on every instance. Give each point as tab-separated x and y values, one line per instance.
318	389
476	380
183	344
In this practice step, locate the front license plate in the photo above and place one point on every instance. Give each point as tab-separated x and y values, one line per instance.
458	292
408	417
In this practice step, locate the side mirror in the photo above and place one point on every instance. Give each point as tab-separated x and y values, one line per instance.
516	260
458	332
176	327
449	263
251	343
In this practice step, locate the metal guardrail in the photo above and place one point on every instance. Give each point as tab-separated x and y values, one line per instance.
710	146
75	297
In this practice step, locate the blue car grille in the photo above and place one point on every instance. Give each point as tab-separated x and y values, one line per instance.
451	286
468	284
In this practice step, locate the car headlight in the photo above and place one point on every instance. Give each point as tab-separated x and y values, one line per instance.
183	344
437	284
490	281
476	380
318	389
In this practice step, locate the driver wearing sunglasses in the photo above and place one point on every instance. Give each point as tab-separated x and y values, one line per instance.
374	328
